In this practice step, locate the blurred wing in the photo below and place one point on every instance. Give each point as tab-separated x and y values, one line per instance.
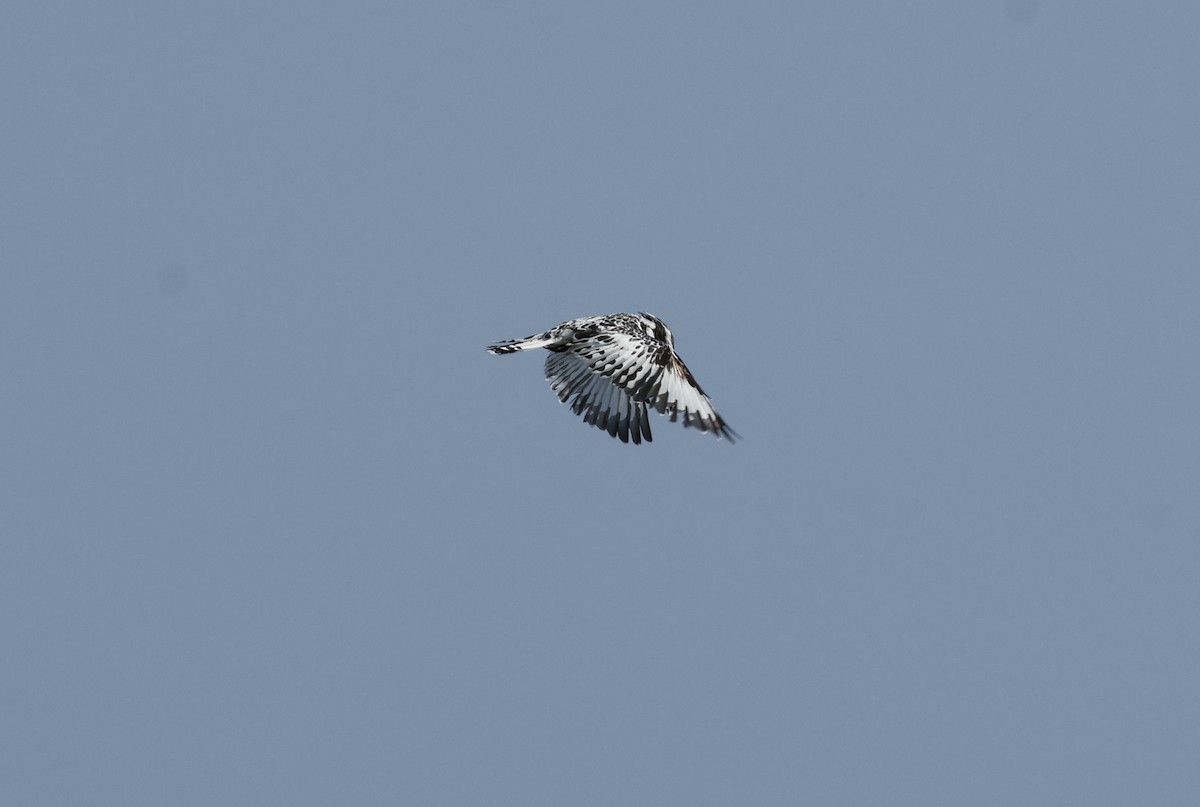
594	396
651	374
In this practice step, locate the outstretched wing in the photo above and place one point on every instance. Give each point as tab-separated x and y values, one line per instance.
649	373
594	396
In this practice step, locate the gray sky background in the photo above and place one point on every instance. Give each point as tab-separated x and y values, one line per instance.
277	530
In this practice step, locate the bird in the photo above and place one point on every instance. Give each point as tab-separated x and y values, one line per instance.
613	368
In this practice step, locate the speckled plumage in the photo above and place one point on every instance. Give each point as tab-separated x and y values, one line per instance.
613	368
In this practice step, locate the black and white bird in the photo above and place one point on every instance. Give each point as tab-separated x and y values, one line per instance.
613	367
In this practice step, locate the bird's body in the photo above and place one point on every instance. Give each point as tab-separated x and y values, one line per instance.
613	367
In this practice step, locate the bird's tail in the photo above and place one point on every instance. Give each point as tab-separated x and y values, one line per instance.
528	343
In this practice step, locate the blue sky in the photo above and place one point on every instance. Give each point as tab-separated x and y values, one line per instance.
278	530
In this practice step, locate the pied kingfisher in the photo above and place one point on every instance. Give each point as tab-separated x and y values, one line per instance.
613	367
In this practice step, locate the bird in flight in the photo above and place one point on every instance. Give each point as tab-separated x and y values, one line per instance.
613	367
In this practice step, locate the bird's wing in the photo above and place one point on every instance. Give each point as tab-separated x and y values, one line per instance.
649	372
594	396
